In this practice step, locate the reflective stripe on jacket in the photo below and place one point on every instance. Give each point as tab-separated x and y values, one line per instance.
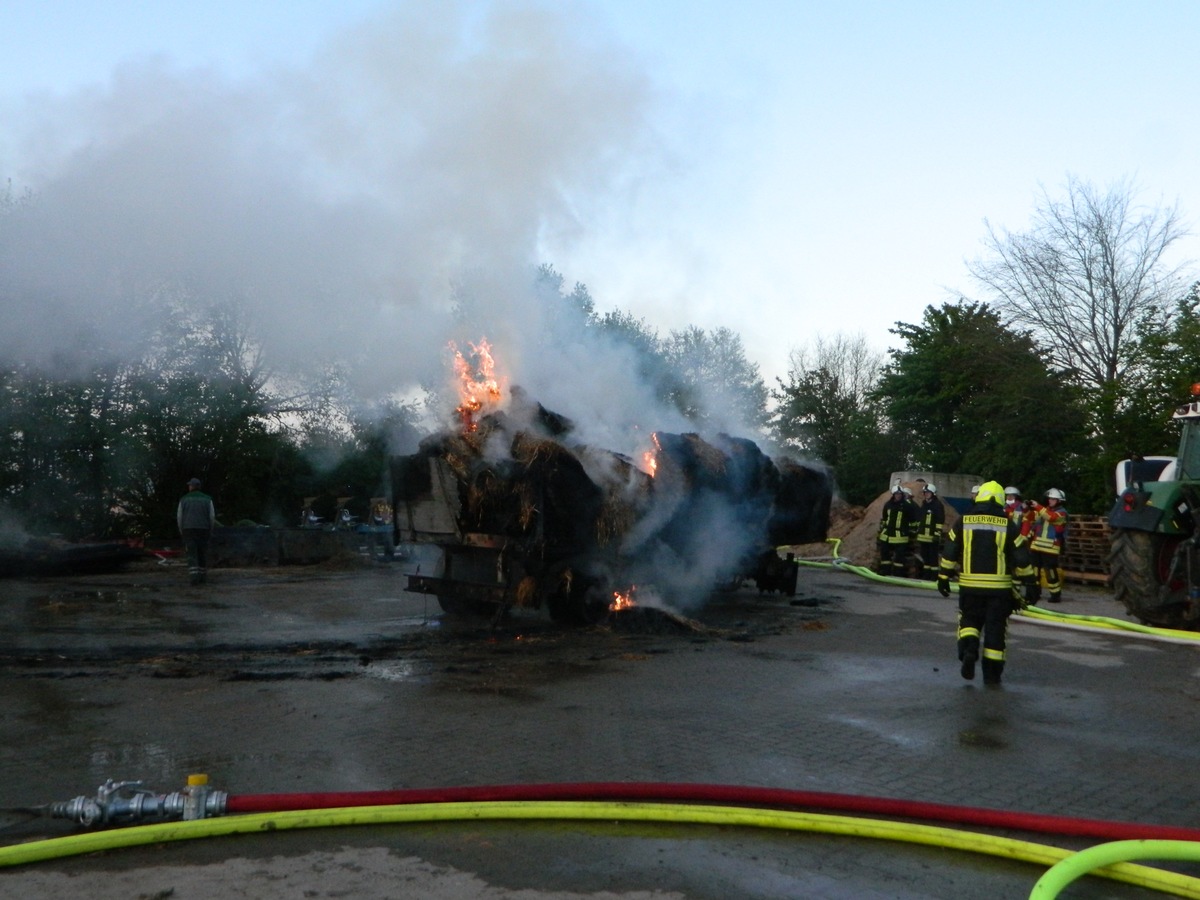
1048	529
933	517
897	522
987	548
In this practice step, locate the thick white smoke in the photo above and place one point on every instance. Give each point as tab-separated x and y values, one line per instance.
366	208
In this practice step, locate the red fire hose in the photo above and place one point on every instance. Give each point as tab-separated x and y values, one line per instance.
776	798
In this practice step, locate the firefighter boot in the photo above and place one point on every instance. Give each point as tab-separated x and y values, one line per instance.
968	652
1054	582
992	670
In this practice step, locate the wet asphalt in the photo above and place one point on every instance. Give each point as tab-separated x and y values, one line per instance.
275	681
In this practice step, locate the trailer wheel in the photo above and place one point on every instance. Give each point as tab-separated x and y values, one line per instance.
578	599
1139	565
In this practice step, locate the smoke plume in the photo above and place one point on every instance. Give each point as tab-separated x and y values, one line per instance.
366	208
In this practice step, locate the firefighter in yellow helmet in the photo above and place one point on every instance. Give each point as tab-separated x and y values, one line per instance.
992	559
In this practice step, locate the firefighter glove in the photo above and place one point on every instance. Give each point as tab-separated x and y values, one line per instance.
944	585
1020	597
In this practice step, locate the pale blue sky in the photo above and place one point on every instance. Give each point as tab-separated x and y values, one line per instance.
804	169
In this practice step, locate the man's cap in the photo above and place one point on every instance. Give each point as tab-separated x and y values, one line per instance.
194	482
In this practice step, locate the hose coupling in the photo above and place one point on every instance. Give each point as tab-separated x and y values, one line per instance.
128	803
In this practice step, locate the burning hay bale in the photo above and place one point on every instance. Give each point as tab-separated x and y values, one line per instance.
526	518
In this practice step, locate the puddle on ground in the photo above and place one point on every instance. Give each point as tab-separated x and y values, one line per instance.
407	670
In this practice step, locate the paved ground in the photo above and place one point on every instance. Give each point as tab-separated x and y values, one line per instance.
280	681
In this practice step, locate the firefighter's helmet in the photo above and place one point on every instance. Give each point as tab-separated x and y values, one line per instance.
1056	494
1012	491
906	491
929	486
990	491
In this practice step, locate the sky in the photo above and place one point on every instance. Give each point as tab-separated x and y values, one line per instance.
789	170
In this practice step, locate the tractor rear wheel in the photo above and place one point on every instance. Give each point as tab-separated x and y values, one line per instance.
1139	565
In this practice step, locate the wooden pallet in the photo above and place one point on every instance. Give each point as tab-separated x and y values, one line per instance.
1086	559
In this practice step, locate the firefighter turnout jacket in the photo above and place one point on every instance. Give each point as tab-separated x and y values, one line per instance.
1047	529
933	518
898	520
988	550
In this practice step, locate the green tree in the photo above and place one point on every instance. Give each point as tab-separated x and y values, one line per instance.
704	374
823	411
204	409
64	446
710	380
1165	368
972	395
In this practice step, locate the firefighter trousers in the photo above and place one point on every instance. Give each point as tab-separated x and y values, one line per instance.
983	630
930	553
893	556
1049	575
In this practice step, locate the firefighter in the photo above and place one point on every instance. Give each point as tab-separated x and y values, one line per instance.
1013	507
897	525
1047	530
929	531
992	559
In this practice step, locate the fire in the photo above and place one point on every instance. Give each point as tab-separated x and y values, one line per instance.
478	386
650	457
623	601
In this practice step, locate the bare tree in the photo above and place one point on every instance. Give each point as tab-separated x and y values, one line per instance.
848	359
1082	274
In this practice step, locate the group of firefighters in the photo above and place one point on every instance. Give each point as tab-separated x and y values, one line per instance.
1005	550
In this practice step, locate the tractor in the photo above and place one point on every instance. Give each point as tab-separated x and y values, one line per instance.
1154	558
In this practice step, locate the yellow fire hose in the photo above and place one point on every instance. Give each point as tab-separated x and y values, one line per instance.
1105	860
509	810
1063	873
1034	613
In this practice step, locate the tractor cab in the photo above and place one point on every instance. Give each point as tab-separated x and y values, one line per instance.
1154	560
1158	493
1187	466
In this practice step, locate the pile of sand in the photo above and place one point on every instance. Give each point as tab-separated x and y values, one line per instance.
857	527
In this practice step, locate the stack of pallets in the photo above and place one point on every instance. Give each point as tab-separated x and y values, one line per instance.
1086	557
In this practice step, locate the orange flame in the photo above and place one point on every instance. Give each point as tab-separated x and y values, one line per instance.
478	386
623	601
650	457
